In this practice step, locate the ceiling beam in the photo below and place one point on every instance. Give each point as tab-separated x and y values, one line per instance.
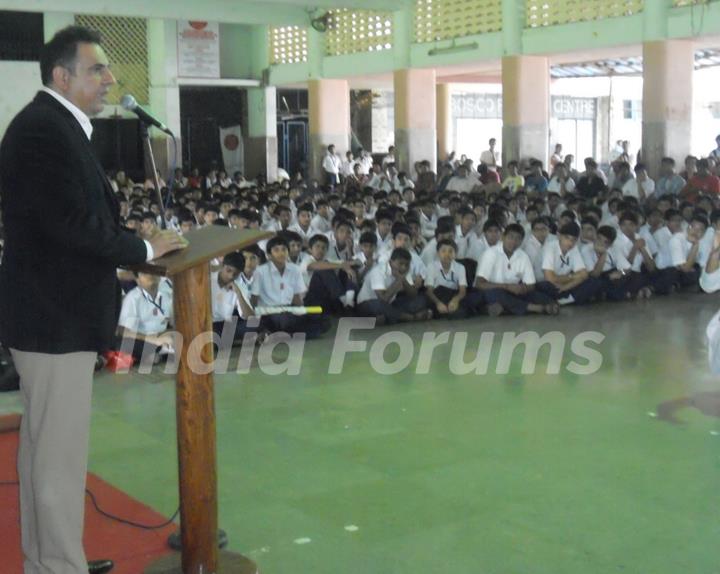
230	12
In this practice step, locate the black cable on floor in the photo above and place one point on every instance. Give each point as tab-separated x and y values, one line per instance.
112	516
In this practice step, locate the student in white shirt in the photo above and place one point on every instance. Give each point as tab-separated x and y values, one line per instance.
402	239
366	256
330	284
322	222
506	278
444	230
640	186
533	245
384	222
145	317
686	258
388	293
446	285
490	237
604	261
303	226
566	278
280	283
638	252
331	165
231	308
710	277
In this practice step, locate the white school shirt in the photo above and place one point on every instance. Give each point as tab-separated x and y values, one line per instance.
478	248
427	225
534	250
384	244
331	164
465	243
244	283
305	260
306	235
275	288
454	278
679	248
614	260
378	278
662	237
224	299
630	188
429	253
321	224
624	245
496	267
461	184
145	315
337	255
554	185
554	260
417	266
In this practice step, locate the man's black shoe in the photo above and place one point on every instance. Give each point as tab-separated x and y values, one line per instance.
100	566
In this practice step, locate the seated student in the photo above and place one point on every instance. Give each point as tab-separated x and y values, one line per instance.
428	218
566	278
322	221
296	254
446	285
465	236
341	247
282	216
686	259
506	278
366	256
635	249
445	229
303	226
384	221
144	318
401	239
663	235
280	283
230	303
604	261
388	292
534	242
210	214
253	256
710	277
490	237
588	232
513	180
186	221
417	240
330	284
148	225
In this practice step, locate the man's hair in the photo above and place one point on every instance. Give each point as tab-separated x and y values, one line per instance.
62	50
274	242
608	233
368	237
571	229
318	238
235	259
449	242
401	253
400	227
515	228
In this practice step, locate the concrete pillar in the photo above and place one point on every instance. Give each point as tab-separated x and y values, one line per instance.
526	105
668	68
415	118
329	103
164	93
261	145
261	149
444	121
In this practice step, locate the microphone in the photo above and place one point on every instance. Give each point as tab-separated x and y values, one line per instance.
129	103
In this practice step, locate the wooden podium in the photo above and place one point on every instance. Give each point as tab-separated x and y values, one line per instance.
195	403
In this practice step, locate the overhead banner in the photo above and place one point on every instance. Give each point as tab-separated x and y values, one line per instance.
198	49
231	143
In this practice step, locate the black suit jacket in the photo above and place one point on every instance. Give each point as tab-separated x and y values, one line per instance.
63	242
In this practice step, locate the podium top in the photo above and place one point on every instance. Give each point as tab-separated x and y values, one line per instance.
205	244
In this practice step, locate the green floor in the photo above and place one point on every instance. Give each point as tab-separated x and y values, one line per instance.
442	473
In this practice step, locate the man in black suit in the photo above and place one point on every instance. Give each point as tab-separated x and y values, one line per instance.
59	295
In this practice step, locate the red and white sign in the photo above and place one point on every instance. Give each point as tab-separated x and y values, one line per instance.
198	49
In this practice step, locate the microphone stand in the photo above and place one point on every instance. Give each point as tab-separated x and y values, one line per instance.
145	135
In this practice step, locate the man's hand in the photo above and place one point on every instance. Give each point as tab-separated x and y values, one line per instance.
165	241
639	243
441	307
